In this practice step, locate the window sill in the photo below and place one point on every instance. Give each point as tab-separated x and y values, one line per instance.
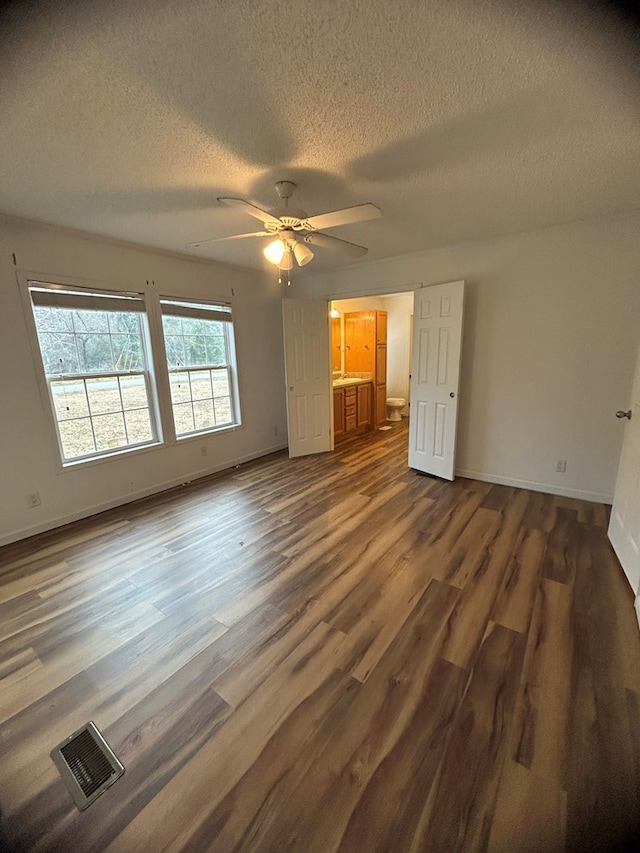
76	464
206	432
109	456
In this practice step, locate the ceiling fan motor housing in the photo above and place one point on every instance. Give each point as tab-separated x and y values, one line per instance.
290	217
285	188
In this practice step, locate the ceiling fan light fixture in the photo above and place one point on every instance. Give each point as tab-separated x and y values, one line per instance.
303	253
274	252
286	262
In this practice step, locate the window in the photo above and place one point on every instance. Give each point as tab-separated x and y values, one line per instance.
94	351
201	364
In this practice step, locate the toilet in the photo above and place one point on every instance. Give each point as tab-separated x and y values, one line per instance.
394	407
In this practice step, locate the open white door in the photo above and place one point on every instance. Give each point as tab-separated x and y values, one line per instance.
435	374
624	527
306	361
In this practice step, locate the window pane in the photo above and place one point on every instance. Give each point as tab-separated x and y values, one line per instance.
124	323
94	350
134	392
109	431
69	399
192	326
180	389
76	438
104	395
213	327
127	352
220	382
172	325
89	321
195	350
59	354
53	320
222	410
138	426
175	351
183	416
216	350
203	414
200	385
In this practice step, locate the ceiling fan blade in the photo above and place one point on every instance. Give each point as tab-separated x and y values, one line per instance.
232	237
334	243
251	209
359	213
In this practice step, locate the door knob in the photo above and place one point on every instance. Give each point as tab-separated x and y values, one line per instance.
451	394
622	414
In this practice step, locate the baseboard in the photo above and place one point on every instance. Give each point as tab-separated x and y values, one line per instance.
52	523
548	488
86	512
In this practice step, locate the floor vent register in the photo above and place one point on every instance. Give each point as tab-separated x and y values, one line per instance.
87	765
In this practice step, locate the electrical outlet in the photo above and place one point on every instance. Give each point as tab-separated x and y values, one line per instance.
561	466
34	500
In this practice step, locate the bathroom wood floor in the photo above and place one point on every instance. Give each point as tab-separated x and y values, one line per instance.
326	654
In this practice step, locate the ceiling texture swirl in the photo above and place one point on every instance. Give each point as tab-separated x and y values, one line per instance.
461	119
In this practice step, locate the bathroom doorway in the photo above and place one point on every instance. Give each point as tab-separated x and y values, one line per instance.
398	311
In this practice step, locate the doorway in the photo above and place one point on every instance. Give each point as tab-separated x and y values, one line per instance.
398	310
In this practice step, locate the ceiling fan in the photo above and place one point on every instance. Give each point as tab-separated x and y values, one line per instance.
294	230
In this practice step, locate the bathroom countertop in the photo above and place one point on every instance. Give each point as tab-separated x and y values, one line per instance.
342	383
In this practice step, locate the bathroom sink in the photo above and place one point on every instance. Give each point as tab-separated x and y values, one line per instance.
339	383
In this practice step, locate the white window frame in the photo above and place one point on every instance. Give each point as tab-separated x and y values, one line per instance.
202	309
81	296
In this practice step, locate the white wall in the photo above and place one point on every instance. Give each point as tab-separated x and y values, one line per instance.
551	327
29	459
399	310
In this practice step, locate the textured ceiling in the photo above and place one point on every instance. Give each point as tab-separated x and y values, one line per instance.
461	119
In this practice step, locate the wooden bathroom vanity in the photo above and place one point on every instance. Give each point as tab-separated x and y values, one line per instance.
352	406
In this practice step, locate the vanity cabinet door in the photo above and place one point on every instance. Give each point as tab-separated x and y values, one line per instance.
338	412
381	404
364	404
381	364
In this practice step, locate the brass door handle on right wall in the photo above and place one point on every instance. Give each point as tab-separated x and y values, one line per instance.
623	414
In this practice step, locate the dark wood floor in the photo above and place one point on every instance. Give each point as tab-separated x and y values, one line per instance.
326	654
